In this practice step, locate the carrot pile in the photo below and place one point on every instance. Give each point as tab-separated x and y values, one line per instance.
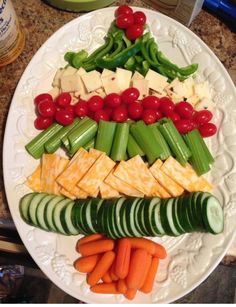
121	266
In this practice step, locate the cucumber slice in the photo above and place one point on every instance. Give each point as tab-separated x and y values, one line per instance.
77	216
123	218
57	215
190	212
213	215
156	220
86	216
169	214
66	219
198	208
148	209
182	215
112	220
24	206
48	213
95	205
33	208
40	212
167	218
175	217
136	221
140	218
131	204
117	217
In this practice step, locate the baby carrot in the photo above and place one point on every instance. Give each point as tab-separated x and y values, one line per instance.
106	278
151	247
147	267
122	258
90	238
121	286
86	264
130	294
137	268
105	288
160	251
149	281
112	272
101	268
96	247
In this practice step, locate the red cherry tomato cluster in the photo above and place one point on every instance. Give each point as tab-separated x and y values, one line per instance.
132	22
120	108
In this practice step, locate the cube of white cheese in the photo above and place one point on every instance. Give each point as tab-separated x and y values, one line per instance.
70	83
137	76
81	71
202	90
110	84
92	80
142	86
157	82
124	78
189	87
193	100
205	104
57	78
154	93
69	71
81	87
106	72
54	92
100	92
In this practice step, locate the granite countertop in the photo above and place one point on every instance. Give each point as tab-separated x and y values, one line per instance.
40	21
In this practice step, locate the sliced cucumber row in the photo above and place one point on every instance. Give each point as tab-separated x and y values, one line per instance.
124	217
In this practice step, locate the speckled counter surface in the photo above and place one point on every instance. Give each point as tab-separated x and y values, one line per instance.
40	21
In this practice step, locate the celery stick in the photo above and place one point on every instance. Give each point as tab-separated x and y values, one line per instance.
203	144
146	140
174	140
36	147
133	148
199	160
105	136
90	144
65	140
55	141
165	150
119	146
82	135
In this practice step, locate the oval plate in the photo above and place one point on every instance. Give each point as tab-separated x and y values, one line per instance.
191	257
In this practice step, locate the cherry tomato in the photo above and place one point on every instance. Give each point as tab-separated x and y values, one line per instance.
42	97
159	115
46	108
135	110
202	117
81	108
130	95
95	103
192	124
64	99
184	109
120	114
64	117
108	111
174	116
207	129
149	116
112	100
166	106
101	114
124	9
42	123
90	114
183	125
124	21
151	102
134	31
139	18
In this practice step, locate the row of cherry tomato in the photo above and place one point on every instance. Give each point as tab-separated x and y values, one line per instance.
132	23
120	108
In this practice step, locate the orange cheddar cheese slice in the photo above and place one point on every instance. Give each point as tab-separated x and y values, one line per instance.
79	193
76	170
108	192
159	191
121	186
67	194
91	181
184	177
61	166
170	185
49	172
201	185
136	173
34	180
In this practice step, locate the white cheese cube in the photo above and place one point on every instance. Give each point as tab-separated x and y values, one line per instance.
110	84
202	90
142	86
54	92
81	71
74	99
124	78
157	82
154	93
106	72
137	76
189	87
70	83
92	80
57	78
100	92
69	71
193	100
87	96
205	104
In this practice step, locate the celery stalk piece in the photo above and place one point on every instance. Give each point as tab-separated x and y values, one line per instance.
165	150
133	148
105	136
119	146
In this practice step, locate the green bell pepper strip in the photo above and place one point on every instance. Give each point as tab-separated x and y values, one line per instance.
130	64
69	56
145	52
120	46
139	59
78	58
145	67
89	66
120	59
126	41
